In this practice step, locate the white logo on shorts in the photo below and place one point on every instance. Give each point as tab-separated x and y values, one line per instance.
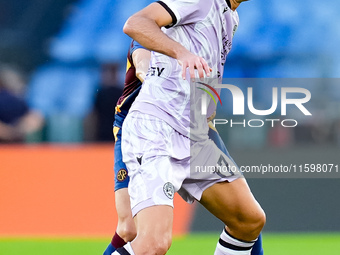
169	190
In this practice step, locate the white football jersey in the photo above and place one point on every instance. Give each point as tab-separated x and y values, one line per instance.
205	28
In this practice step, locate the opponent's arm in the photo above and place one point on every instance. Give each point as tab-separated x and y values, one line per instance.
145	28
141	59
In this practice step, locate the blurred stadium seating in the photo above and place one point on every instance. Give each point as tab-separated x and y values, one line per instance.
63	43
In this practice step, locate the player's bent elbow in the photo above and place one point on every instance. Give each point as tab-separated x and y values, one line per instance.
127	29
131	26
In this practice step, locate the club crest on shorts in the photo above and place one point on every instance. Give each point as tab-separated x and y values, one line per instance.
169	190
122	175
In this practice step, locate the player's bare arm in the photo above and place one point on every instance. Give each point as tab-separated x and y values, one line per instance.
145	28
141	59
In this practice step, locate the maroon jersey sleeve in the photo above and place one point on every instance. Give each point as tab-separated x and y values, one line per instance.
131	81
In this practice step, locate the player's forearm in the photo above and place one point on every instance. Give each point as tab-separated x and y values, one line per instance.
148	33
141	60
145	28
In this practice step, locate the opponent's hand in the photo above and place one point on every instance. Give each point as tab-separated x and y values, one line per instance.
140	75
211	117
141	59
191	61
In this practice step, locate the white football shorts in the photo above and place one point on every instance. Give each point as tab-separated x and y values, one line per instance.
161	161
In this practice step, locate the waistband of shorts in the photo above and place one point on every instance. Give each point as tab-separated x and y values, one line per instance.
148	203
157	112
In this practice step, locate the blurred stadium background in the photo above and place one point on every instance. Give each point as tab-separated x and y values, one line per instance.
64	62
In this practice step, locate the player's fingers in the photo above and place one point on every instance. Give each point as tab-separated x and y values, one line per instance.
183	69
200	70
192	71
206	68
140	75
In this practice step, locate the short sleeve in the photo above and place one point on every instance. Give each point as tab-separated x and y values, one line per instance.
186	11
134	46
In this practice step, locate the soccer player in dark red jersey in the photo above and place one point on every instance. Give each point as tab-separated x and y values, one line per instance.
137	66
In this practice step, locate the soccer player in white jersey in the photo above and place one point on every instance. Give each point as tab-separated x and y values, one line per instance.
159	133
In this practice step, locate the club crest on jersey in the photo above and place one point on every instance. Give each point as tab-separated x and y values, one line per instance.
169	190
122	175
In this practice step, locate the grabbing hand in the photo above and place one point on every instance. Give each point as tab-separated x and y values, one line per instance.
140	75
191	61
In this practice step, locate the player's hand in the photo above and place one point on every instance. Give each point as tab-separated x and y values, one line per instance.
140	75
211	117
191	61
141	59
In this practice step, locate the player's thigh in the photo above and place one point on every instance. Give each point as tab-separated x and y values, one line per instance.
154	227
232	202
235	196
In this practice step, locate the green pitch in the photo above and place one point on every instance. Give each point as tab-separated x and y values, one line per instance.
274	244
